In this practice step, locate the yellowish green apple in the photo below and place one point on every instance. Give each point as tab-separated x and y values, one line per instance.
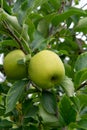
13	70
46	69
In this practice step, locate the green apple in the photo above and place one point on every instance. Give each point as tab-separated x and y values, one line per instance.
46	69
13	70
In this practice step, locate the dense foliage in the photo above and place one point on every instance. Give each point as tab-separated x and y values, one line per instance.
32	26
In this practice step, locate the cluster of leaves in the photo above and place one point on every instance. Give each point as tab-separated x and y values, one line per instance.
41	25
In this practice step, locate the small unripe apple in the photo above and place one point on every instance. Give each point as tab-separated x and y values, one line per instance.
13	70
46	69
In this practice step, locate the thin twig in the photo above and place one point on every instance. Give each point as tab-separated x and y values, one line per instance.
62	7
82	85
13	35
79	42
64	128
10	2
83	6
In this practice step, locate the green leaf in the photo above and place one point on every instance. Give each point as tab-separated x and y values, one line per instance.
76	103
71	43
66	110
29	109
17	5
55	4
14	94
6	6
31	127
80	76
76	2
82	25
68	70
31	27
48	119
49	102
68	86
83	124
5	124
83	77
2	111
38	42
30	4
70	12
35	18
80	125
22	8
9	43
83	99
43	27
81	62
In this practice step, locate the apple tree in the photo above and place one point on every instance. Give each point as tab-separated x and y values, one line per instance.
31	26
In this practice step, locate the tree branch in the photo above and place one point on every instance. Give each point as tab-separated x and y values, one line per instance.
64	128
84	6
62	7
82	85
13	35
79	43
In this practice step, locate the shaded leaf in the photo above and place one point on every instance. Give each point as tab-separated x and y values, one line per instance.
82	99
6	6
68	86
2	111
79	125
31	127
81	62
82	124
66	110
76	103
22	8
70	12
38	42
9	43
5	124
48	118
80	76
29	109
82	25
14	94
49	102
31	27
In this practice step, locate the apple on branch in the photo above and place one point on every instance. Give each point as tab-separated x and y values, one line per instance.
46	69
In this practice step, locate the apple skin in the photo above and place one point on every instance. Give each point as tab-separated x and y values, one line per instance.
46	69
13	70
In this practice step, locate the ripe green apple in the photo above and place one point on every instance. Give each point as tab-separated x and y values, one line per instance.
13	70
46	69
